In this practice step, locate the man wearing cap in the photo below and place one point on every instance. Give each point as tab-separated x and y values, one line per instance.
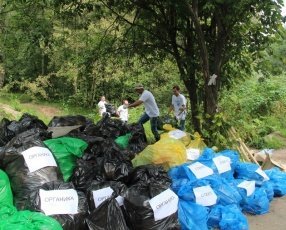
151	109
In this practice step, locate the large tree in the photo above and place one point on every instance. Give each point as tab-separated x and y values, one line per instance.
203	37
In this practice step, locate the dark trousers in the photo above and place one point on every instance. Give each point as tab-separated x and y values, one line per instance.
153	121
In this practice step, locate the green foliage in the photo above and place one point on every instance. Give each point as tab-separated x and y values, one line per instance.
256	108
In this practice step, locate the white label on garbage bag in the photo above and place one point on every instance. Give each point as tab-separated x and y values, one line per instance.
101	195
249	186
177	134
200	170
164	204
38	157
120	200
205	195
262	173
56	202
222	163
193	154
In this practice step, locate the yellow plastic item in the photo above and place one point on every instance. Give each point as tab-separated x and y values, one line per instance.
167	152
168	127
198	142
178	135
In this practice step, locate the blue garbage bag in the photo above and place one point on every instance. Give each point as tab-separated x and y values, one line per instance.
233	219
192	216
178	183
247	171
234	158
278	181
226	194
227	217
256	203
178	172
207	158
268	187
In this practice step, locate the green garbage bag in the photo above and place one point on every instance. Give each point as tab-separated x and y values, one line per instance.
6	211
66	150
122	141
6	197
27	220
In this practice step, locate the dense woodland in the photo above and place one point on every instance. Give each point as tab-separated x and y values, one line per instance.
74	51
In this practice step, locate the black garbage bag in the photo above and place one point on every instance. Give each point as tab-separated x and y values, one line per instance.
107	128
90	140
84	173
114	164
138	140
5	134
146	174
111	110
105	201
9	129
140	215
68	221
59	121
107	216
166	119
103	191
26	122
26	175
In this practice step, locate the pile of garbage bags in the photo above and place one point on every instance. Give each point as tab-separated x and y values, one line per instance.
105	176
83	179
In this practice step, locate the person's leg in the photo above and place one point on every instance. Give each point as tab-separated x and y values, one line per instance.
154	121
143	119
182	125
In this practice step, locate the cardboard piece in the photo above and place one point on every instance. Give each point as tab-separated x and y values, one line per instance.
61	131
276	159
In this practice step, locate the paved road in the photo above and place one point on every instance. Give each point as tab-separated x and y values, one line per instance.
274	220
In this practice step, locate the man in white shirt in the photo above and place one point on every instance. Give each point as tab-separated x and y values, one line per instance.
179	106
123	111
151	109
101	106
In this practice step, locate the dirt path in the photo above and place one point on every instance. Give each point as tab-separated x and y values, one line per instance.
47	111
9	110
274	220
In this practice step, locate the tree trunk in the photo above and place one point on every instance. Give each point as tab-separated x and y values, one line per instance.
191	86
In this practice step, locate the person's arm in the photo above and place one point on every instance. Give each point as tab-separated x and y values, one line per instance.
135	104
171	108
